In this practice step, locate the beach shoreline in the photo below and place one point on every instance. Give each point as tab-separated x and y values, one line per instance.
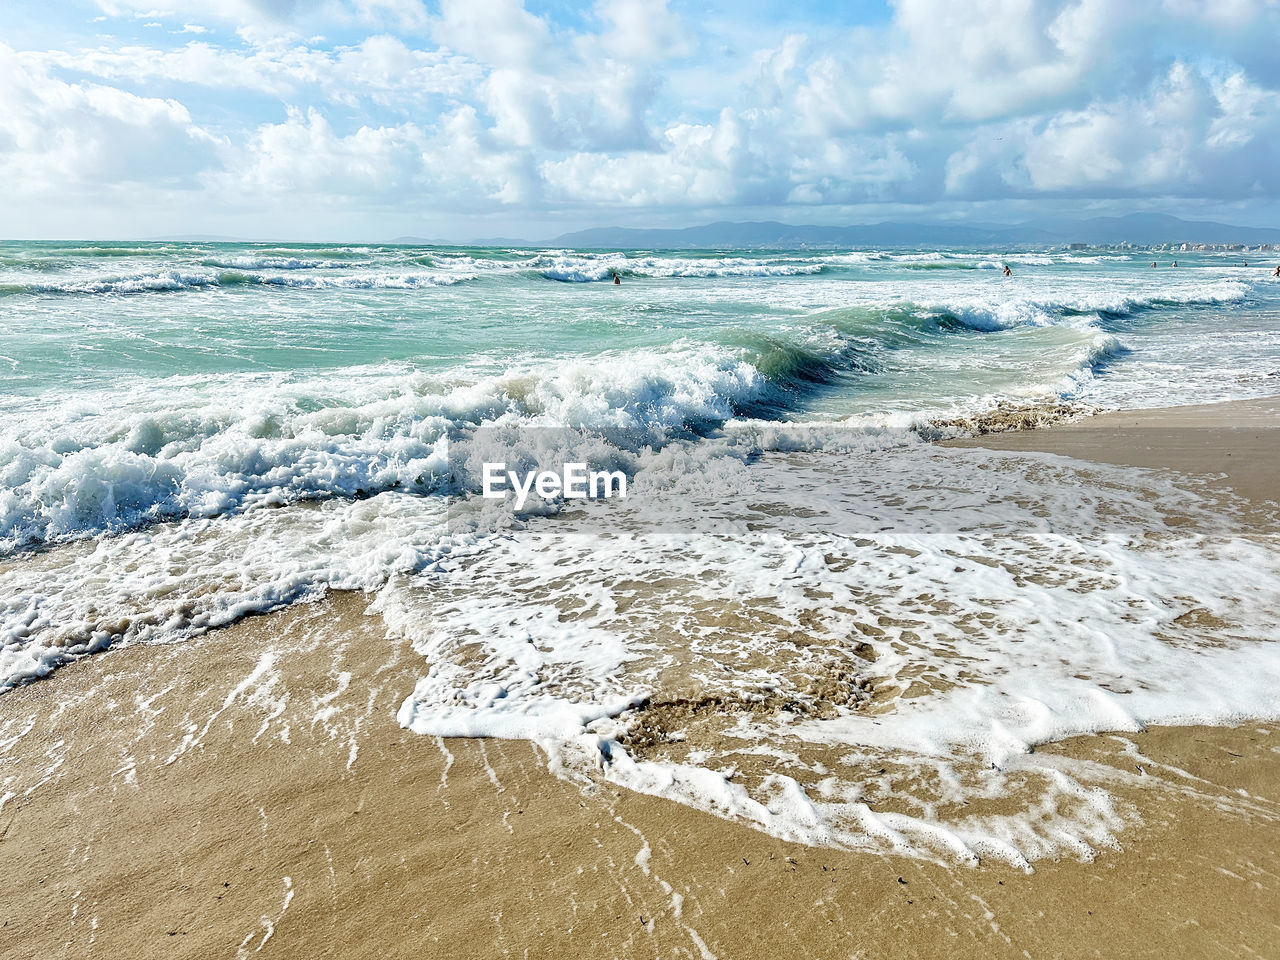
259	798
1245	457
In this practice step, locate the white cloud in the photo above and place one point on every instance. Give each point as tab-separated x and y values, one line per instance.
264	20
59	135
483	104
380	68
305	155
646	31
232	11
565	92
704	164
453	165
1191	133
497	33
405	14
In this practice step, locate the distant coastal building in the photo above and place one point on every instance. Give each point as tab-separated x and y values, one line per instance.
1188	247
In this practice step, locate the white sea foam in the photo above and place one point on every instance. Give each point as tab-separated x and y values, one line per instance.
108	463
589	269
174	281
272	263
1011	308
146	283
403	281
175	580
996	303
113	461
1017	601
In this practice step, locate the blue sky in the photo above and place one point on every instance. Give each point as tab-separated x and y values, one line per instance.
369	119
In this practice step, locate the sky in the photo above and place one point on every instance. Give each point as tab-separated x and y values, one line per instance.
455	119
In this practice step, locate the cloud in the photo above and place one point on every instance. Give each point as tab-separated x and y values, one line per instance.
561	92
453	164
232	11
304	155
497	33
703	164
1192	132
59	135
264	20
381	68
406	14
483	105
645	31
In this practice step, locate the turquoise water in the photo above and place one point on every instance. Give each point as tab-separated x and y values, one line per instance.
93	315
152	381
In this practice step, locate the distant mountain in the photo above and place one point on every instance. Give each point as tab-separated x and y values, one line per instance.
1140	228
1152	228
785	236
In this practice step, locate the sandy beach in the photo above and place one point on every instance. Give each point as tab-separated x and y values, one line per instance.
1235	442
501	479
260	799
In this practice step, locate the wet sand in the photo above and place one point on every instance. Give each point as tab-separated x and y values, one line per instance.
1238	442
249	793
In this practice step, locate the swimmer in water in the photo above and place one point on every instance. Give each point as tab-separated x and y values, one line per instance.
1153	264
1175	263
1277	273
617	281
1007	271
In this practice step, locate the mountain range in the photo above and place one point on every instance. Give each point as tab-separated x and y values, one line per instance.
1142	229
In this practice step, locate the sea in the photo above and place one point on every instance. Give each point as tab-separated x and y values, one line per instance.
807	615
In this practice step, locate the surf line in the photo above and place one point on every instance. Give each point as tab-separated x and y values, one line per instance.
573	482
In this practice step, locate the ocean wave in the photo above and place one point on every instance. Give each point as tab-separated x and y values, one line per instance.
174	281
966	260
590	270
269	263
193	452
853	258
405	281
436	269
145	283
109	251
984	312
164	452
1100	351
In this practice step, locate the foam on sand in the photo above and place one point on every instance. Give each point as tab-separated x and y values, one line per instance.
836	684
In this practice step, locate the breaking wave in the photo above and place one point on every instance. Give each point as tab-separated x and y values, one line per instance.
175	281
